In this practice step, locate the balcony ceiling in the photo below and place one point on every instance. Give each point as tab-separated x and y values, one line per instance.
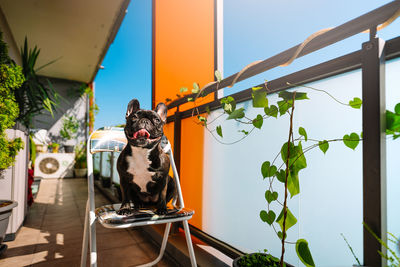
77	33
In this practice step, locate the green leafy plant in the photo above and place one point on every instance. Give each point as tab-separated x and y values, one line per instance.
393	122
290	160
69	127
351	249
80	157
392	258
35	94
258	260
11	77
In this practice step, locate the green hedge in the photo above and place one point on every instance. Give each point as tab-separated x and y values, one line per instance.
11	77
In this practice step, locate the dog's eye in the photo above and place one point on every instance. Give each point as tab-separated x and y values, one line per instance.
156	120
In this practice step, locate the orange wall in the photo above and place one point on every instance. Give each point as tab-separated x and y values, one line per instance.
183	54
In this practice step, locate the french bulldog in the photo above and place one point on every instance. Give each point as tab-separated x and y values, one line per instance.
143	166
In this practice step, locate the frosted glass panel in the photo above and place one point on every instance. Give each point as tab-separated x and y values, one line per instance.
330	201
392	150
96	161
115	176
105	164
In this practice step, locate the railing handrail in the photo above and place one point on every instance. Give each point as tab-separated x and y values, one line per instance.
362	23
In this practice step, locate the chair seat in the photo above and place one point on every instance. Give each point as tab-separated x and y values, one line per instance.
108	217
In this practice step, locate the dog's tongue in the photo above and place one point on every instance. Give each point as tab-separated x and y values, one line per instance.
141	133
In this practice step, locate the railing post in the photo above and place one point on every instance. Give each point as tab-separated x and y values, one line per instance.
177	156
177	140
374	148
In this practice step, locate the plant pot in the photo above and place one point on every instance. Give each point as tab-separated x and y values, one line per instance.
6	207
236	264
68	149
96	175
105	182
80	172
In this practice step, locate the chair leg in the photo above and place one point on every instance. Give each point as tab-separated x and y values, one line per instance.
85	241
92	234
162	249
189	243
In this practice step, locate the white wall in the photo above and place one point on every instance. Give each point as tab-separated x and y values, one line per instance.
13	50
330	201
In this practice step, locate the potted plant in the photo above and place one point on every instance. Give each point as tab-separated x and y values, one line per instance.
80	166
68	131
257	260
96	174
54	147
6	207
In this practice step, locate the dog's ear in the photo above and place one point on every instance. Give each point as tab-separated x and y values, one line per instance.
161	110
133	106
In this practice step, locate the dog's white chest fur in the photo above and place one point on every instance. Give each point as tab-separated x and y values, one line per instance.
138	165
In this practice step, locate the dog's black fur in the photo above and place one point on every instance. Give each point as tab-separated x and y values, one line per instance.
142	165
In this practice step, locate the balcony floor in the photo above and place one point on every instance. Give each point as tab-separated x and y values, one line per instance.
52	232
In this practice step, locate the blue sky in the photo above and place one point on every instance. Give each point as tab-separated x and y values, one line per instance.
127	67
253	30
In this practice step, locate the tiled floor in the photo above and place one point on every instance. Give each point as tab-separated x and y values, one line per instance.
52	233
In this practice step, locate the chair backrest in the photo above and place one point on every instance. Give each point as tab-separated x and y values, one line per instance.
113	139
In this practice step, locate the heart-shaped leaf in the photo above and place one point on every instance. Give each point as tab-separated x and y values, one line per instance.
268	217
397	109
351	140
267	169
218	75
304	254
303	132
236	114
281	175
280	235
219	130
289	95
271	111
293	184
258	121
283	106
323	145
355	103
259	96
228	104
290	219
284	151
271	196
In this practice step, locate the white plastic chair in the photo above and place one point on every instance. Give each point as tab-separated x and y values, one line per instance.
113	139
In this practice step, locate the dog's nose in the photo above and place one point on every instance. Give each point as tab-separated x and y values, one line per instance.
145	121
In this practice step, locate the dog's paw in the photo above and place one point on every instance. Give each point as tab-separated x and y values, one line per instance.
161	211
124	211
